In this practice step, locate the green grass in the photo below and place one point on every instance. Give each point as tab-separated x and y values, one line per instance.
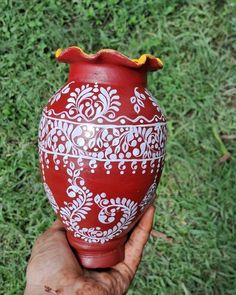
196	204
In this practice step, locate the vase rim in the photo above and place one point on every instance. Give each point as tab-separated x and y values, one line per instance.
75	54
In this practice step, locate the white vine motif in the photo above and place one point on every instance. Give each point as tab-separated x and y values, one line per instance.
63	90
76	210
109	208
137	100
50	197
127	207
73	212
93	102
118	210
77	183
77	189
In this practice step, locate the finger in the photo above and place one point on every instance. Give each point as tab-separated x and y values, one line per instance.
138	239
135	245
57	225
124	272
118	278
52	261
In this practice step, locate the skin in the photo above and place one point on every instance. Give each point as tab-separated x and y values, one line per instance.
53	268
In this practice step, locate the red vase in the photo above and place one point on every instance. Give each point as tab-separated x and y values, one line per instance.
101	148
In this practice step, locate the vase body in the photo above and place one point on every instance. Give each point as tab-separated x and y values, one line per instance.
101	150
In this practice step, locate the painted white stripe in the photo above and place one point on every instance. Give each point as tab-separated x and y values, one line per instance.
97	159
105	125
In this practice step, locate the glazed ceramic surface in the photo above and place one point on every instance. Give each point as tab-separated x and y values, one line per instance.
101	148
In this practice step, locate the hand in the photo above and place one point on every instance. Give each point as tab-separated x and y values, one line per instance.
53	268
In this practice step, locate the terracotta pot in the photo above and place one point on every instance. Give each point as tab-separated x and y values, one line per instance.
101	149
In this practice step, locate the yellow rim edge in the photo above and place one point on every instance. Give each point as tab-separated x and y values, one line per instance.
58	52
140	61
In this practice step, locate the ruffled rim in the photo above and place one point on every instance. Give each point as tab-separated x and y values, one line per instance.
76	54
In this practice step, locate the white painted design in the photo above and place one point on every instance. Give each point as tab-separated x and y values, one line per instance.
89	133
92	102
98	143
96	234
149	197
51	198
161	117
117	120
137	100
75	211
109	208
78	190
127	208
63	90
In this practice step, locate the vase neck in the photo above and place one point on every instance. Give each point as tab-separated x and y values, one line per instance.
107	74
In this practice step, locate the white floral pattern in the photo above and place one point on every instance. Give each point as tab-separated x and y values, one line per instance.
137	100
93	102
102	143
63	90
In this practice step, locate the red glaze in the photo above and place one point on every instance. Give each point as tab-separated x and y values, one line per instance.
101	149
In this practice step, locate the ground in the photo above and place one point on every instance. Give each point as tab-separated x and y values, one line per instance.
196	90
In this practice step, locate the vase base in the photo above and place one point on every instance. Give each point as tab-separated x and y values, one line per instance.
98	256
101	260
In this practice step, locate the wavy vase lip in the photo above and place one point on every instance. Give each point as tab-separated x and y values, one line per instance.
75	54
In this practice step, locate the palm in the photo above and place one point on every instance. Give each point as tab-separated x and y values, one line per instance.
53	268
